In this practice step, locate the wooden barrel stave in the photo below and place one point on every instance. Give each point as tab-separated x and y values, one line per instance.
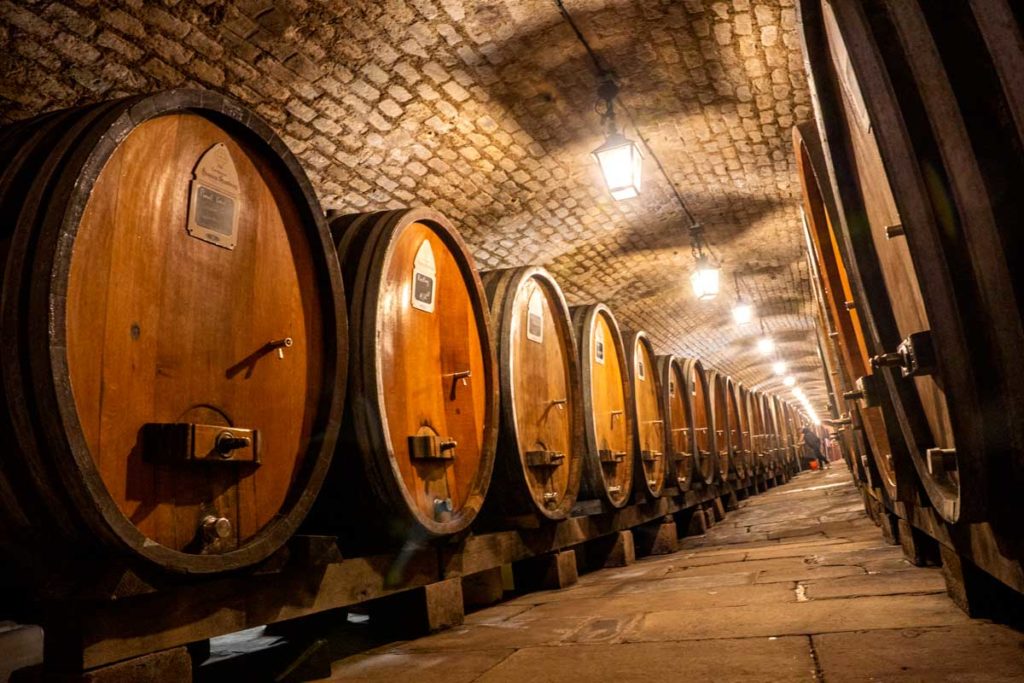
76	489
538	364
608	410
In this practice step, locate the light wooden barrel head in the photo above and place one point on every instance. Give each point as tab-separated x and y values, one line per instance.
431	363
650	417
544	401
165	327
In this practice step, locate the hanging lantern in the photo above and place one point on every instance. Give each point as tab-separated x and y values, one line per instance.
705	279
621	164
619	158
742	312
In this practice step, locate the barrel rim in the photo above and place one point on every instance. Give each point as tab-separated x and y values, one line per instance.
73	457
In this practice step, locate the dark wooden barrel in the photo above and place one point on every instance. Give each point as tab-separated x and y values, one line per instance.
793	432
680	437
755	408
781	442
771	434
418	444
650	443
174	328
748	432
737	437
717	384
872	416
843	417
540	447
607	407
924	130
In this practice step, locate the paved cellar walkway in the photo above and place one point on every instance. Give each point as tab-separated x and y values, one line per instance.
796	585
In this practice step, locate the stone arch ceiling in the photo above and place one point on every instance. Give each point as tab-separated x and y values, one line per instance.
486	111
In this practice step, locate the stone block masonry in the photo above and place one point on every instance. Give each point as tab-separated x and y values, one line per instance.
485	111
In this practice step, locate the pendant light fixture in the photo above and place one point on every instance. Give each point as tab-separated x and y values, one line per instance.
742	310
620	158
704	278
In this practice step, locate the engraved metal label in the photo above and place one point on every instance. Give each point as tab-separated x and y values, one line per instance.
215	198
535	318
641	374
215	211
599	345
424	279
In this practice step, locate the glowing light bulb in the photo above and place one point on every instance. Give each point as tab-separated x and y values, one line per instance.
742	312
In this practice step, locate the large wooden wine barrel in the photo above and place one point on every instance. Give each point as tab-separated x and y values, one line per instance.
173	326
758	439
737	439
872	416
923	122
649	410
699	390
680	436
781	436
607	406
845	418
540	448
719	397
418	445
771	432
746	429
793	430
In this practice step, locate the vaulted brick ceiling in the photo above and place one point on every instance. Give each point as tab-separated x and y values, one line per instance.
486	111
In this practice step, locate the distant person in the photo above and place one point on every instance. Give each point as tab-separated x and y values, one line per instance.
813	443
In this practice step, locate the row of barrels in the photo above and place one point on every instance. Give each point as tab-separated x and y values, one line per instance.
197	360
911	176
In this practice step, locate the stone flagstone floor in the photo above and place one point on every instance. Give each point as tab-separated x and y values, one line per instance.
796	585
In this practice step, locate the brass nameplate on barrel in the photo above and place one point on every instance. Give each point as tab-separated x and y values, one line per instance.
185	442
215	198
